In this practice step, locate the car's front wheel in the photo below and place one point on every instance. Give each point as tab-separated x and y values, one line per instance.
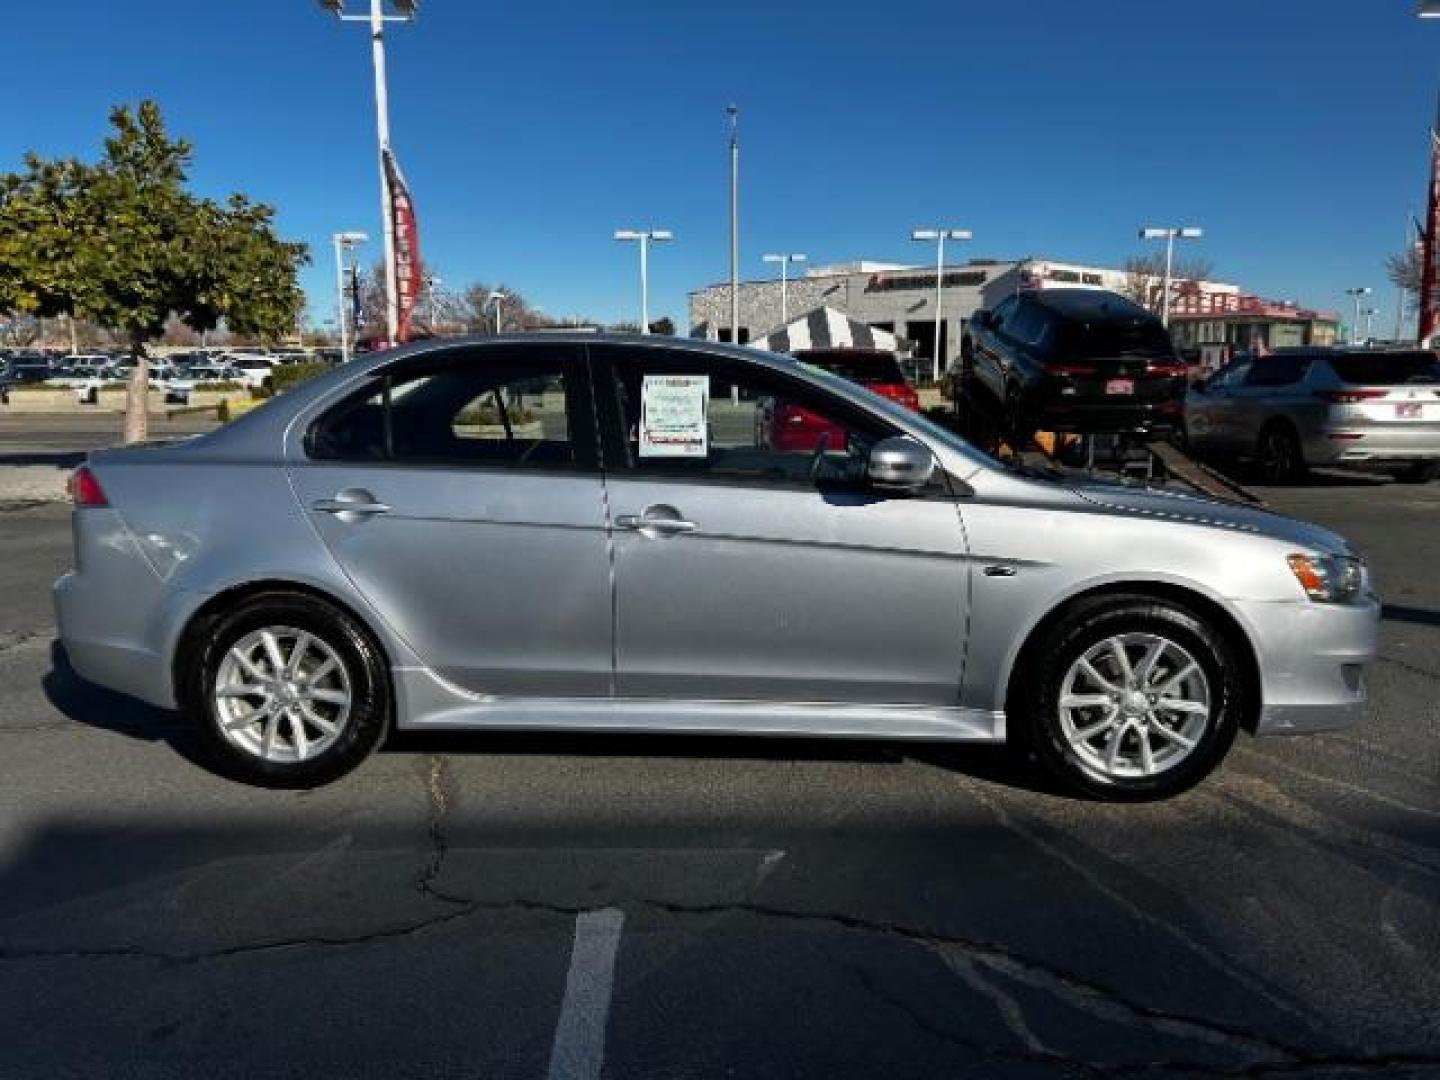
290	691
1131	698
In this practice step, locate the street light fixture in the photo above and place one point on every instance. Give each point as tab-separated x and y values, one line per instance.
1428	9
784	260
938	237
1169	236
1355	294
496	299
344	242
645	237
406	11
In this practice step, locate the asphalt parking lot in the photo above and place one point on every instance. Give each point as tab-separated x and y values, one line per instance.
528	906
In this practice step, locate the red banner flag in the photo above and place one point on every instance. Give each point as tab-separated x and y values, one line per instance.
407	247
1429	301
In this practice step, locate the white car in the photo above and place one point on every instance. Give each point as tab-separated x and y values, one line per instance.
255	371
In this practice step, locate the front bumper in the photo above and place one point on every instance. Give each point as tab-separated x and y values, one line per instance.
1312	659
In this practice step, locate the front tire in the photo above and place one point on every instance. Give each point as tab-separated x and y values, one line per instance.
290	691
1130	699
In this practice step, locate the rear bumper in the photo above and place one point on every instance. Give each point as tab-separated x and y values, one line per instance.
83	616
1312	659
1058	413
1359	443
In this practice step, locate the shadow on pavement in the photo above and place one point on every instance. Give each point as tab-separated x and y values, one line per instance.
94	706
59	459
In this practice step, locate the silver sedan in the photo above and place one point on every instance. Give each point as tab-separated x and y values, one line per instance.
598	533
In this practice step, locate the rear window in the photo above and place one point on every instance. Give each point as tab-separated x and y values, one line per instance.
1387	369
858	367
1101	340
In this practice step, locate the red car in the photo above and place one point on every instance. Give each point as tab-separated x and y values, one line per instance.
796	430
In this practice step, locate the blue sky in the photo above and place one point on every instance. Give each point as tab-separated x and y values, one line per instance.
1294	131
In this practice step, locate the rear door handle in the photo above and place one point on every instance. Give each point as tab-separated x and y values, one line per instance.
351	501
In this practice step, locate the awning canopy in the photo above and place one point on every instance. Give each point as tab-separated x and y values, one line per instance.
826	328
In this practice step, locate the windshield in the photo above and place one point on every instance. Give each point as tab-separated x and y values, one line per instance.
1387	369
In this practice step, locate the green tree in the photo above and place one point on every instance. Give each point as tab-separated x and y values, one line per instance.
123	242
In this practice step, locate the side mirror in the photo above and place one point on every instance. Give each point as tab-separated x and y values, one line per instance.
900	464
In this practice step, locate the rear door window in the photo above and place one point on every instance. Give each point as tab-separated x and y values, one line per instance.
1387	369
1276	371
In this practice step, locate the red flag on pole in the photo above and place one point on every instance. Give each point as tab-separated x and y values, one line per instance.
407	247
1429	300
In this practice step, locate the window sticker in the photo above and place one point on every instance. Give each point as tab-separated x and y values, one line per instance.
673	420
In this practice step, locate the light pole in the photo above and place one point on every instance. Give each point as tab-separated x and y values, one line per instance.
344	242
784	260
734	114
431	283
377	19
645	237
496	299
939	236
1169	236
1355	294
1370	314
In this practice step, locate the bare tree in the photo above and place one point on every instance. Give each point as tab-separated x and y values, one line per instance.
1145	278
1405	272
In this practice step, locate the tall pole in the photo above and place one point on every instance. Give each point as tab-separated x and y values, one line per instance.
340	302
1355	326
1400	289
939	300
644	283
785	291
1169	263
382	131
734	114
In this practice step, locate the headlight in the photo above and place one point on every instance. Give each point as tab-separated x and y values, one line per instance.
1329	579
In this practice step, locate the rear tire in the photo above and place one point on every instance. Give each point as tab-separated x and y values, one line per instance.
1279	457
1419	472
1185	707
299	722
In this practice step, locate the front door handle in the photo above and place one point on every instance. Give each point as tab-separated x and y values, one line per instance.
656	521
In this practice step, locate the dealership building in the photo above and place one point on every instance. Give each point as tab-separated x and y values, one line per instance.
900	300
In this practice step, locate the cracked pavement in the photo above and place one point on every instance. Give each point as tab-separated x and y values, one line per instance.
791	909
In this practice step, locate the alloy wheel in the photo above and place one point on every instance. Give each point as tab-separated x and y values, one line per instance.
1134	705
282	694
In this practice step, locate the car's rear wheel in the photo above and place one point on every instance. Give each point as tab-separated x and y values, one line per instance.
1419	472
1131	698
1279	456
289	690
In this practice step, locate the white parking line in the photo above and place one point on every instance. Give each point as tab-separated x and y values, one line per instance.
579	1049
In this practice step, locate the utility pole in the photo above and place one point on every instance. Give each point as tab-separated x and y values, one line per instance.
734	114
1355	294
344	242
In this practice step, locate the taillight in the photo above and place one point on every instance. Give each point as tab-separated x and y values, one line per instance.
1349	397
1069	369
85	490
1170	370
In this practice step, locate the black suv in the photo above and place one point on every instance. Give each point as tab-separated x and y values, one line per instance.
1078	360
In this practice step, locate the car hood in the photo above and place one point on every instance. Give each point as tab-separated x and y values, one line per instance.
1207	511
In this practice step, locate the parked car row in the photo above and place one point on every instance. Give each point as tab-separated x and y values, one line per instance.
176	374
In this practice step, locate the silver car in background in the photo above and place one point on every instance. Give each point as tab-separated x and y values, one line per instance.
1297	408
599	533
